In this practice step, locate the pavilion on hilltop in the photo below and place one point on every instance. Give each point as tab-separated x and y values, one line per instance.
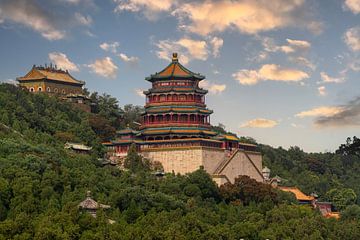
53	81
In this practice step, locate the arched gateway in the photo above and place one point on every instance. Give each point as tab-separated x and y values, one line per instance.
176	130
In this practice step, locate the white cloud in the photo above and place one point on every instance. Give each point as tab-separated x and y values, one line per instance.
304	61
352	38
190	49
83	20
104	67
259	123
292	47
151	9
216	44
247	77
112	47
125	58
62	61
248	16
299	43
294	125
139	92
320	112
322	91
353	5
270	72
10	81
72	1
327	79
213	88
31	14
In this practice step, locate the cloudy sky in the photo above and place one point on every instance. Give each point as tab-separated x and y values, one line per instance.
285	73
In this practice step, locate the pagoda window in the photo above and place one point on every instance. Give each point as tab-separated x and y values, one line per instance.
175	97
192	118
48	89
56	90
63	91
168	117
168	97
31	89
40	89
162	98
182	97
175	118
183	118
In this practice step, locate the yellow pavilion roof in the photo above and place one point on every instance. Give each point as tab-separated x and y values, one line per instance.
40	73
298	193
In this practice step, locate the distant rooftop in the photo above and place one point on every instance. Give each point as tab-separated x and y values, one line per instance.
50	72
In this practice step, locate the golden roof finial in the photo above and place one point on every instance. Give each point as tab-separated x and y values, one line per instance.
174	57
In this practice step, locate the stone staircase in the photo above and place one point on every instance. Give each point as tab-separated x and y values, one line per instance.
224	162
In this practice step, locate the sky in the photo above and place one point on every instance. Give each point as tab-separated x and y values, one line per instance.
284	72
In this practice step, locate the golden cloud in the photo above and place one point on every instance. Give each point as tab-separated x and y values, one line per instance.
259	123
269	72
320	112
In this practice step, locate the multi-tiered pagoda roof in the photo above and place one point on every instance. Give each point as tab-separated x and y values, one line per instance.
175	114
175	105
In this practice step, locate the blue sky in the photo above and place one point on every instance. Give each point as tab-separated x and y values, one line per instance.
285	73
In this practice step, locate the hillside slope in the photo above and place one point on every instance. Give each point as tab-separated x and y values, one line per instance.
41	185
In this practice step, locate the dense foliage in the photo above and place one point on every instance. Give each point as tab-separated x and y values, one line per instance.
333	177
41	185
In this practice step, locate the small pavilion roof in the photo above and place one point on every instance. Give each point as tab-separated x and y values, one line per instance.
91	204
49	73
175	70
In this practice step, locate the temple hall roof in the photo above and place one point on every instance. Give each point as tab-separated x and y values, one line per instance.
49	73
175	70
300	196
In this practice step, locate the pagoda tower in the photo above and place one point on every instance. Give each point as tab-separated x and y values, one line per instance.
175	131
175	105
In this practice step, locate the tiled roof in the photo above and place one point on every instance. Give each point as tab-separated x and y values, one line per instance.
39	73
335	215
91	204
175	71
300	196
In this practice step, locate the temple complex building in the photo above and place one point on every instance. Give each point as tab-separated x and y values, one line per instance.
51	80
176	131
57	82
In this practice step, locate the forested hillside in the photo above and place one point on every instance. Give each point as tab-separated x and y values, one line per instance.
41	184
332	176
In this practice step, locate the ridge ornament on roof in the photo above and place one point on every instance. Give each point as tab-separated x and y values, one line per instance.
174	71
